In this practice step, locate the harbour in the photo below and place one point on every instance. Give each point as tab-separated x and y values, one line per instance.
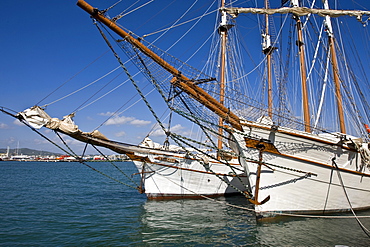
30	155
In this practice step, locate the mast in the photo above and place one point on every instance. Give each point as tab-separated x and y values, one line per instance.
267	50
302	65
334	64
302	11
223	35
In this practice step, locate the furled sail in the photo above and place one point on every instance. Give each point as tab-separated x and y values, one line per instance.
36	117
298	11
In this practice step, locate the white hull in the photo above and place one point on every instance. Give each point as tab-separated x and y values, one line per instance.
302	177
300	171
167	175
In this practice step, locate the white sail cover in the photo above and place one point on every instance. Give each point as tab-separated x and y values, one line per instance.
35	116
66	125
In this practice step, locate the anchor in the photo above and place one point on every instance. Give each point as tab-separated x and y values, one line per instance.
255	201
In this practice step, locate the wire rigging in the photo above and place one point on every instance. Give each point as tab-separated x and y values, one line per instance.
64	83
80	89
182	23
122	15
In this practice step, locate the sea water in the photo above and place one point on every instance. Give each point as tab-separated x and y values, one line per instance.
69	204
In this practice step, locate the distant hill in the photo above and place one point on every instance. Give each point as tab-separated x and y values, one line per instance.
28	151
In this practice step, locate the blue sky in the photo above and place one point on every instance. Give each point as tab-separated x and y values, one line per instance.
45	43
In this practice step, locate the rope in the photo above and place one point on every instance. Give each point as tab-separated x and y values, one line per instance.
80	106
184	34
176	21
364	229
151	109
130	77
102	173
106	175
245	193
112	163
185	22
154	81
143	96
70	79
38	132
117	113
72	153
248	136
109	93
122	15
253	210
111	7
83	87
163	128
65	144
264	59
203	196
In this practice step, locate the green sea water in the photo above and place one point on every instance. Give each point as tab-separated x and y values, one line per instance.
69	204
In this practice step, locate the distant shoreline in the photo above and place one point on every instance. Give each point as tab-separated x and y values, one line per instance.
55	160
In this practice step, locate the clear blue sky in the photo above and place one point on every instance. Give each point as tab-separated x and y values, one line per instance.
44	43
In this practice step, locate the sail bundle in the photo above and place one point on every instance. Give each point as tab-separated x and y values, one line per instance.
298	11
37	118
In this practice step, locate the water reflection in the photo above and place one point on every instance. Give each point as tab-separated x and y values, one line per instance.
315	231
198	222
204	222
66	205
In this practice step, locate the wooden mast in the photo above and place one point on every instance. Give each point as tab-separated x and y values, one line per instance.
268	52
302	11
179	80
334	64
300	43
223	34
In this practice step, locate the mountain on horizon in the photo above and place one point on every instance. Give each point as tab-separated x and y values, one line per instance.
27	151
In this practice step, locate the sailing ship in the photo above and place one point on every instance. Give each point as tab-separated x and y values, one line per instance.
280	162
